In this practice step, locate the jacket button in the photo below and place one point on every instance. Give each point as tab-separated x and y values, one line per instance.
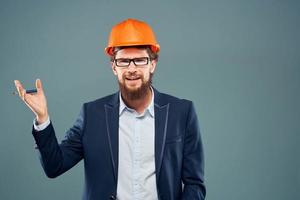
112	197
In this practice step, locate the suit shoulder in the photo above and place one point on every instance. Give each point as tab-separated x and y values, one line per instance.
175	100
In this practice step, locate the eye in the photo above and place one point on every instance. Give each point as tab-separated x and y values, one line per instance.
122	62
141	61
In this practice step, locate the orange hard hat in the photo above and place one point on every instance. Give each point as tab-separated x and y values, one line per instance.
131	32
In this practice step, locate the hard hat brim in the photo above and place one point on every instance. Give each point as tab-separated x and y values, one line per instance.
109	50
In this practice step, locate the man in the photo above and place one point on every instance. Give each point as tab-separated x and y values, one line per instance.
137	143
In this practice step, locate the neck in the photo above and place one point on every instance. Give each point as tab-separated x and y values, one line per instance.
140	104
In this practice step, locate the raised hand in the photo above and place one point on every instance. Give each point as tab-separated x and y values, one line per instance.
37	102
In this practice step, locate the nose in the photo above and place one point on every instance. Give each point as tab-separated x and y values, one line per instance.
131	66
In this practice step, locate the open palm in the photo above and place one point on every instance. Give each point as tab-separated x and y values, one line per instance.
35	101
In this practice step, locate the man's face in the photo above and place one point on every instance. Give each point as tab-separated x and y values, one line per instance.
134	81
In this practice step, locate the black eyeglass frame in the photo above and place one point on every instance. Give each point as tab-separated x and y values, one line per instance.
134	60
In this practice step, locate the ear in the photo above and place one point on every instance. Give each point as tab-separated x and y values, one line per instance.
153	66
113	67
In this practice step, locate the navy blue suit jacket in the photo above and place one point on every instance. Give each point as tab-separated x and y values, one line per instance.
179	159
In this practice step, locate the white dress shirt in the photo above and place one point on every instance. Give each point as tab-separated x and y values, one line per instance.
136	172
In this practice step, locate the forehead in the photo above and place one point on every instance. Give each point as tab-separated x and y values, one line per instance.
131	52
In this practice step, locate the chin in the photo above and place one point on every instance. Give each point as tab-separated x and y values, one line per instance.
133	88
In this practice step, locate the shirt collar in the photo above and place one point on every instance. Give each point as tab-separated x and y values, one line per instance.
149	109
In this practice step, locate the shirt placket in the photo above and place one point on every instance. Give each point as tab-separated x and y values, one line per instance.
136	159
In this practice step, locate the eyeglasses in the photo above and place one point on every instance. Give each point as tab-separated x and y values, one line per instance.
125	62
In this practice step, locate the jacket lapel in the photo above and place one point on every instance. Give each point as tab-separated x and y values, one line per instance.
112	129
161	124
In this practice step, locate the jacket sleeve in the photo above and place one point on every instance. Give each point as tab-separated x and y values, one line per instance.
193	160
58	158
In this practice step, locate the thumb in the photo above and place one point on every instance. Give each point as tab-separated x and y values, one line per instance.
38	85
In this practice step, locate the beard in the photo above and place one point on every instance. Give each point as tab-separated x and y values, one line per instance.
135	93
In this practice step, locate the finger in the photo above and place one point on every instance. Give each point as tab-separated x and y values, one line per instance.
23	93
19	87
38	85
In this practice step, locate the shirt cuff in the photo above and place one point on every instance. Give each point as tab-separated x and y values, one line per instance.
40	127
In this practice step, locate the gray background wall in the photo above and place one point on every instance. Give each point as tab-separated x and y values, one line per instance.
237	60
